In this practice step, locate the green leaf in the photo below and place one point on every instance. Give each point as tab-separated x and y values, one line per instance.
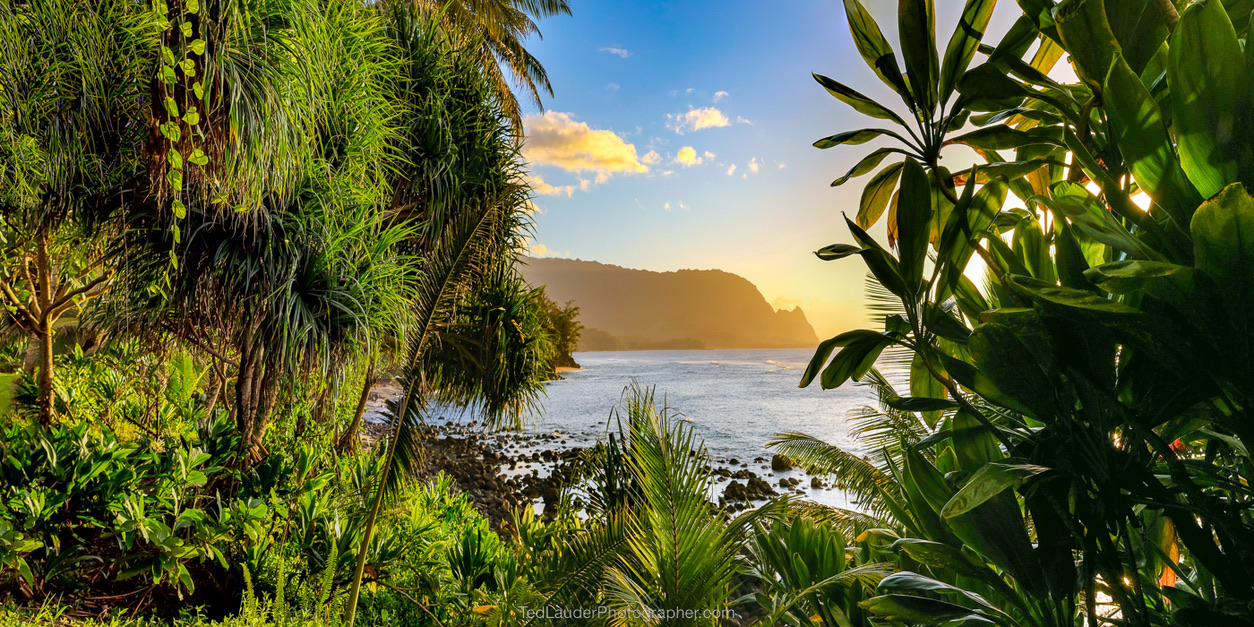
171	131
168	75
914	223
192	117
199	90
920	610
180	210
963	43
860	103
198	157
990	480
881	264
856	137
1223	247
875	49
1086	34
1001	137
1208	96
175	178
193	6
171	106
913	582
925	387
917	34
859	350
1145	145
837	251
867	164
188	66
1078	300
1090	216
876	194
186	28
176	159
198	46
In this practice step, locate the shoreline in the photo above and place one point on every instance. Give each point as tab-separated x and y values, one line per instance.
504	470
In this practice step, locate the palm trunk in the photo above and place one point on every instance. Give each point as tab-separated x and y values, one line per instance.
348	439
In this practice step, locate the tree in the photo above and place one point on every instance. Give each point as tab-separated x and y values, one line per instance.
73	81
562	324
493	32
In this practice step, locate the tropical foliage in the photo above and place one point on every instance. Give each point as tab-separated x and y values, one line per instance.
1082	410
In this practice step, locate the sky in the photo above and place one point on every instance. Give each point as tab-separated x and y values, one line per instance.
680	136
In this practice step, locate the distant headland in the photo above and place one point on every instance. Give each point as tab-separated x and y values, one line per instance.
627	309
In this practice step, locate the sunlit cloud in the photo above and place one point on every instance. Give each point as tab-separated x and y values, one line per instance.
687	156
731	170
556	139
783	165
539	186
540	250
719	95
696	119
651	157
709	156
617	51
754	165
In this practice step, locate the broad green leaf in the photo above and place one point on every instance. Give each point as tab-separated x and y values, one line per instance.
854	360
914	223
867	164
915	610
925	388
917	33
1090	216
1001	137
860	103
179	209
1223	248
876	194
989	481
881	264
856	137
1208	96
837	251
175	159
198	46
1078	300
1086	33
1139	27
1171	283
826	347
963	43
906	581
988	83
1145	145
875	49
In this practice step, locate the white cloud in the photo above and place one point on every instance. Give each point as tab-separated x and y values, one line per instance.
782	165
666	207
731	170
555	138
688	156
651	157
709	155
617	51
696	119
754	165
719	95
683	207
612	87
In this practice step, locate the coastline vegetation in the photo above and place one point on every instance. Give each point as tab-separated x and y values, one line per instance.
224	221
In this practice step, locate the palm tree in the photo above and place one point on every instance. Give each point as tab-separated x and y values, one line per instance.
73	76
493	32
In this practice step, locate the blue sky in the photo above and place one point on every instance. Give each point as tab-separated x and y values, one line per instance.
680	134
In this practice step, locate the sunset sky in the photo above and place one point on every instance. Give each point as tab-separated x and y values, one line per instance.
680	136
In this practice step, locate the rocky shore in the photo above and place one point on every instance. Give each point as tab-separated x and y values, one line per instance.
502	471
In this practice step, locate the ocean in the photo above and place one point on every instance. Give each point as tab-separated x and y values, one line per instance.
734	399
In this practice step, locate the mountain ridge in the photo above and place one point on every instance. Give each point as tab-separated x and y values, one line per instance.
630	309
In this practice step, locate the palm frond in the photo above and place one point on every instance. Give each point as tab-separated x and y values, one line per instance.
869	485
849	522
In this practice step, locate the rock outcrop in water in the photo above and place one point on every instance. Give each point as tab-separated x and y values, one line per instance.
625	309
